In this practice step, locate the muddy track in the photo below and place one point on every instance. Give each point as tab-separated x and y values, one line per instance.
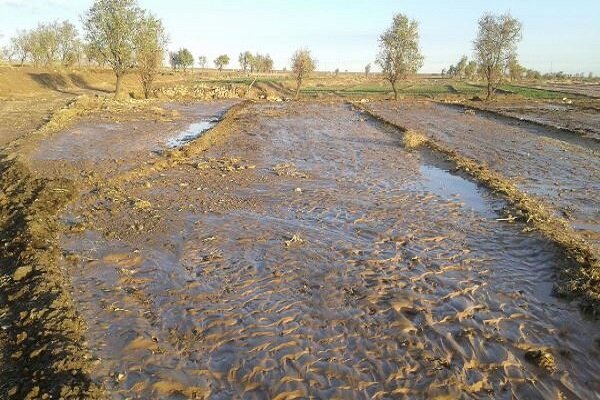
582	279
306	253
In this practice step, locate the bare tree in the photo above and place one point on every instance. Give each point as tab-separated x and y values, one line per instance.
514	69
367	70
471	70
110	27
150	43
221	61
244	60
495	44
174	60
302	66
399	53
461	67
202	61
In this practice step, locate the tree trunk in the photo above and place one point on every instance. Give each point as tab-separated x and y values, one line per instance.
489	76
118	88
147	86
395	90
298	90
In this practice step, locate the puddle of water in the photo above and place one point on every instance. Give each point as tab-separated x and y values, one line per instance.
192	132
453	187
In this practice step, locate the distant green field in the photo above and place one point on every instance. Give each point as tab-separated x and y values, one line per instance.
533	93
245	79
429	88
426	89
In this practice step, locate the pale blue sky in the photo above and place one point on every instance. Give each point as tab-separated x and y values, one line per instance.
564	35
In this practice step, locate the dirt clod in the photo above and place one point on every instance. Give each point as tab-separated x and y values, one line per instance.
543	358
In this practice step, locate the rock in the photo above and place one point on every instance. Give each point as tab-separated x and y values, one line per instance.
22	272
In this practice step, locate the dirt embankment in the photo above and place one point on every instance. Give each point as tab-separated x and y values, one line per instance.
580	278
41	336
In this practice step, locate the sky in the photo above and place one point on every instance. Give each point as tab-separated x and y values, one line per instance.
557	35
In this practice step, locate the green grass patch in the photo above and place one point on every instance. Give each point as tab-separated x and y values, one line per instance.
533	93
243	80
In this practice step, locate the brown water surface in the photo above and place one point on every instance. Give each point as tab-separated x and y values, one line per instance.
311	256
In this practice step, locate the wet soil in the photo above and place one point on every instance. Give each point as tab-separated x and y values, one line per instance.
579	117
23	115
563	173
589	89
109	143
309	255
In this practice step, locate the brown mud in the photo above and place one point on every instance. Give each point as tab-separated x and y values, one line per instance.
43	350
565	175
583	280
296	250
580	118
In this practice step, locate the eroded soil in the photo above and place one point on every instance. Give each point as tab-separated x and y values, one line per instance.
564	173
310	255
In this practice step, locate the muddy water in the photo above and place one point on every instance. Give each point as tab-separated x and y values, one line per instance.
564	175
326	263
107	144
190	133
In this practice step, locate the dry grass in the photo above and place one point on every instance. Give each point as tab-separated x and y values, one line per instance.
580	275
413	140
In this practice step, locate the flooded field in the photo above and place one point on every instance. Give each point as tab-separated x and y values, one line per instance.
562	169
581	117
107	144
308	255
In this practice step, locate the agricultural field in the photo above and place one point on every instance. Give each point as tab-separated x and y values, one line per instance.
254	246
277	228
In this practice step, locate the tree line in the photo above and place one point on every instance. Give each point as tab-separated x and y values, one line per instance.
120	34
51	43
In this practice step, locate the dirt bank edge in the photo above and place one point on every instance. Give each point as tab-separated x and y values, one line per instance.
41	336
581	276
